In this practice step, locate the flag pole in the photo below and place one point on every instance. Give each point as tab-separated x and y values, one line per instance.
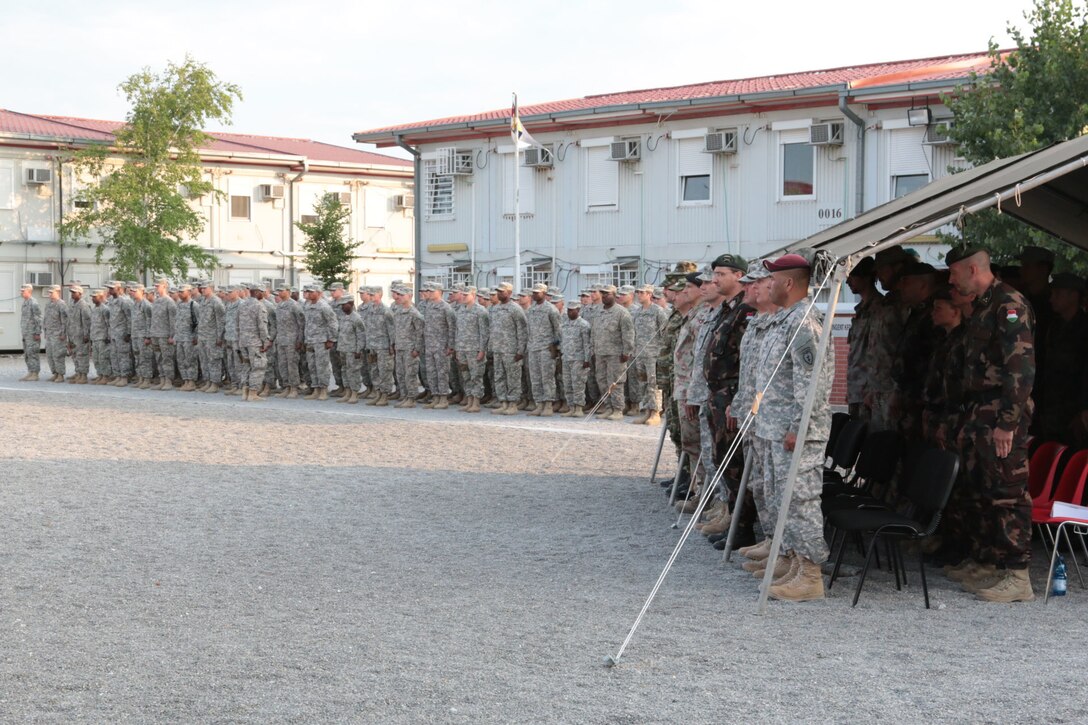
517	202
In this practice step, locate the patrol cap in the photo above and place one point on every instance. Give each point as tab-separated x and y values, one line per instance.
539	287
523	293
756	272
585	293
677	285
115	283
1037	254
184	287
645	288
892	255
75	288
98	292
609	288
203	283
556	297
27	286
865	268
625	289
53	288
706	275
504	287
484	292
131	284
1068	280
459	287
468	289
659	293
335	286
958	254
787	261
172	291
917	269
346	300
163	280
732	261
282	288
694	278
574	305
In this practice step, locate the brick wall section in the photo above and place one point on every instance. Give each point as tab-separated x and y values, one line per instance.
838	340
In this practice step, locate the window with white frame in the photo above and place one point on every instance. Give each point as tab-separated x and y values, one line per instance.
617	274
796	166
536	274
693	168
438	192
526	179
908	164
602	180
239	207
7	184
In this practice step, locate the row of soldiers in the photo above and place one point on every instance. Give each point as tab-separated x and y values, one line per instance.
534	352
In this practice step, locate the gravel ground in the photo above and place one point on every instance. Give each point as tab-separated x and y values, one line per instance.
181	557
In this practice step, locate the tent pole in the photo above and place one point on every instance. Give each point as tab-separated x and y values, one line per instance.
738	507
842	265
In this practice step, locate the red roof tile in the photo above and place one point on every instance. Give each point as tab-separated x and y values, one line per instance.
952	67
86	129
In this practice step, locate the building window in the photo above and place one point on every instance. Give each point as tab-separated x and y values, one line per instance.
906	183
239	208
798	168
438	192
693	169
7	186
536	275
526	193
602	180
625	272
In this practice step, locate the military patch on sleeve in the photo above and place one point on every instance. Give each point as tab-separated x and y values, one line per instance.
807	354
1011	315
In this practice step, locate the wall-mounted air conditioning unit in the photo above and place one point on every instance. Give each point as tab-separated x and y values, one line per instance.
539	158
721	142
270	192
937	134
307	219
404	201
627	149
40	279
451	162
826	134
38	177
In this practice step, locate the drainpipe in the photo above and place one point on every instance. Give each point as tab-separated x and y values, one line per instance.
291	214
417	169
859	193
60	215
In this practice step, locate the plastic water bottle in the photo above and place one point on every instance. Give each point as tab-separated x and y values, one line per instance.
1058	584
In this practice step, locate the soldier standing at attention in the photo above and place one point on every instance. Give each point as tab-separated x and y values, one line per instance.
407	344
30	326
184	338
351	346
265	298
210	332
793	339
380	333
613	336
290	328
862	282
509	339
471	343
100	337
54	323
336	292
142	353
79	334
577	349
231	303
885	330
999	374
253	342
321	329
649	321
120	334
439	329
542	346
163	313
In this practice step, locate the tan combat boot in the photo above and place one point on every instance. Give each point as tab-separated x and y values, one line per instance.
212	388
29	378
283	393
758	568
640	418
353	397
537	410
381	401
718	526
474	405
456	399
614	415
795	565
429	402
407	403
71	379
82	379
563	409
101	380
255	396
1013	585
961	571
336	392
757	552
604	411
442	403
577	412
346	398
265	390
806	584
312	395
511	409
546	410
500	409
235	391
121	382
322	393
292	393
984	577
653	417
524	404
372	394
395	395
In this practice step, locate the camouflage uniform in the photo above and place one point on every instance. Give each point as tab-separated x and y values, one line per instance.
542	321
649	325
252	336
613	336
30	325
665	375
351	346
121	335
577	348
184	335
100	340
54	324
780	413
915	347
472	338
290	324
271	363
407	338
886	327
942	393
163	313
698	391
683	362
142	352
439	331
508	338
379	339
859	342
210	333
230	341
321	326
1000	372
589	313
751	353
79	335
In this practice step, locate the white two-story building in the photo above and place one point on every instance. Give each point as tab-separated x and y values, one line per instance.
266	183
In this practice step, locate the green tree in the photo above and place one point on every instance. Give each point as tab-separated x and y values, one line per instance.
141	208
1031	97
328	253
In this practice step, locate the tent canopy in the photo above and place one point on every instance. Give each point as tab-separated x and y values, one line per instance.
1047	189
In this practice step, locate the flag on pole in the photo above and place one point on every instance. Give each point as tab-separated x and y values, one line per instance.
518	134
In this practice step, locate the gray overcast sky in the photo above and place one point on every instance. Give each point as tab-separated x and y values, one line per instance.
322	69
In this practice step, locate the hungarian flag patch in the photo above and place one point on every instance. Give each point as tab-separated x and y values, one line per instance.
1011	315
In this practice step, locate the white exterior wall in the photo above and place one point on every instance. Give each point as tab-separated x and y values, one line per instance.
248	250
746	214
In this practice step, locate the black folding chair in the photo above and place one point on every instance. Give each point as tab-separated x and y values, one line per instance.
875	468
925	496
844	454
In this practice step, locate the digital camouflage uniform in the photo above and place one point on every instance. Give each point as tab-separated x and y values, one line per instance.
589	313
184	335
271	361
230	341
351	346
30	325
649	325
163	313
682	365
322	326
885	329
508	338
472	338
379	339
780	413
751	352
407	339
859	345
121	335
665	375
909	367
542	321
613	336
290	325
439	332
79	335
100	340
143	354
252	336
577	349
54	325
999	374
